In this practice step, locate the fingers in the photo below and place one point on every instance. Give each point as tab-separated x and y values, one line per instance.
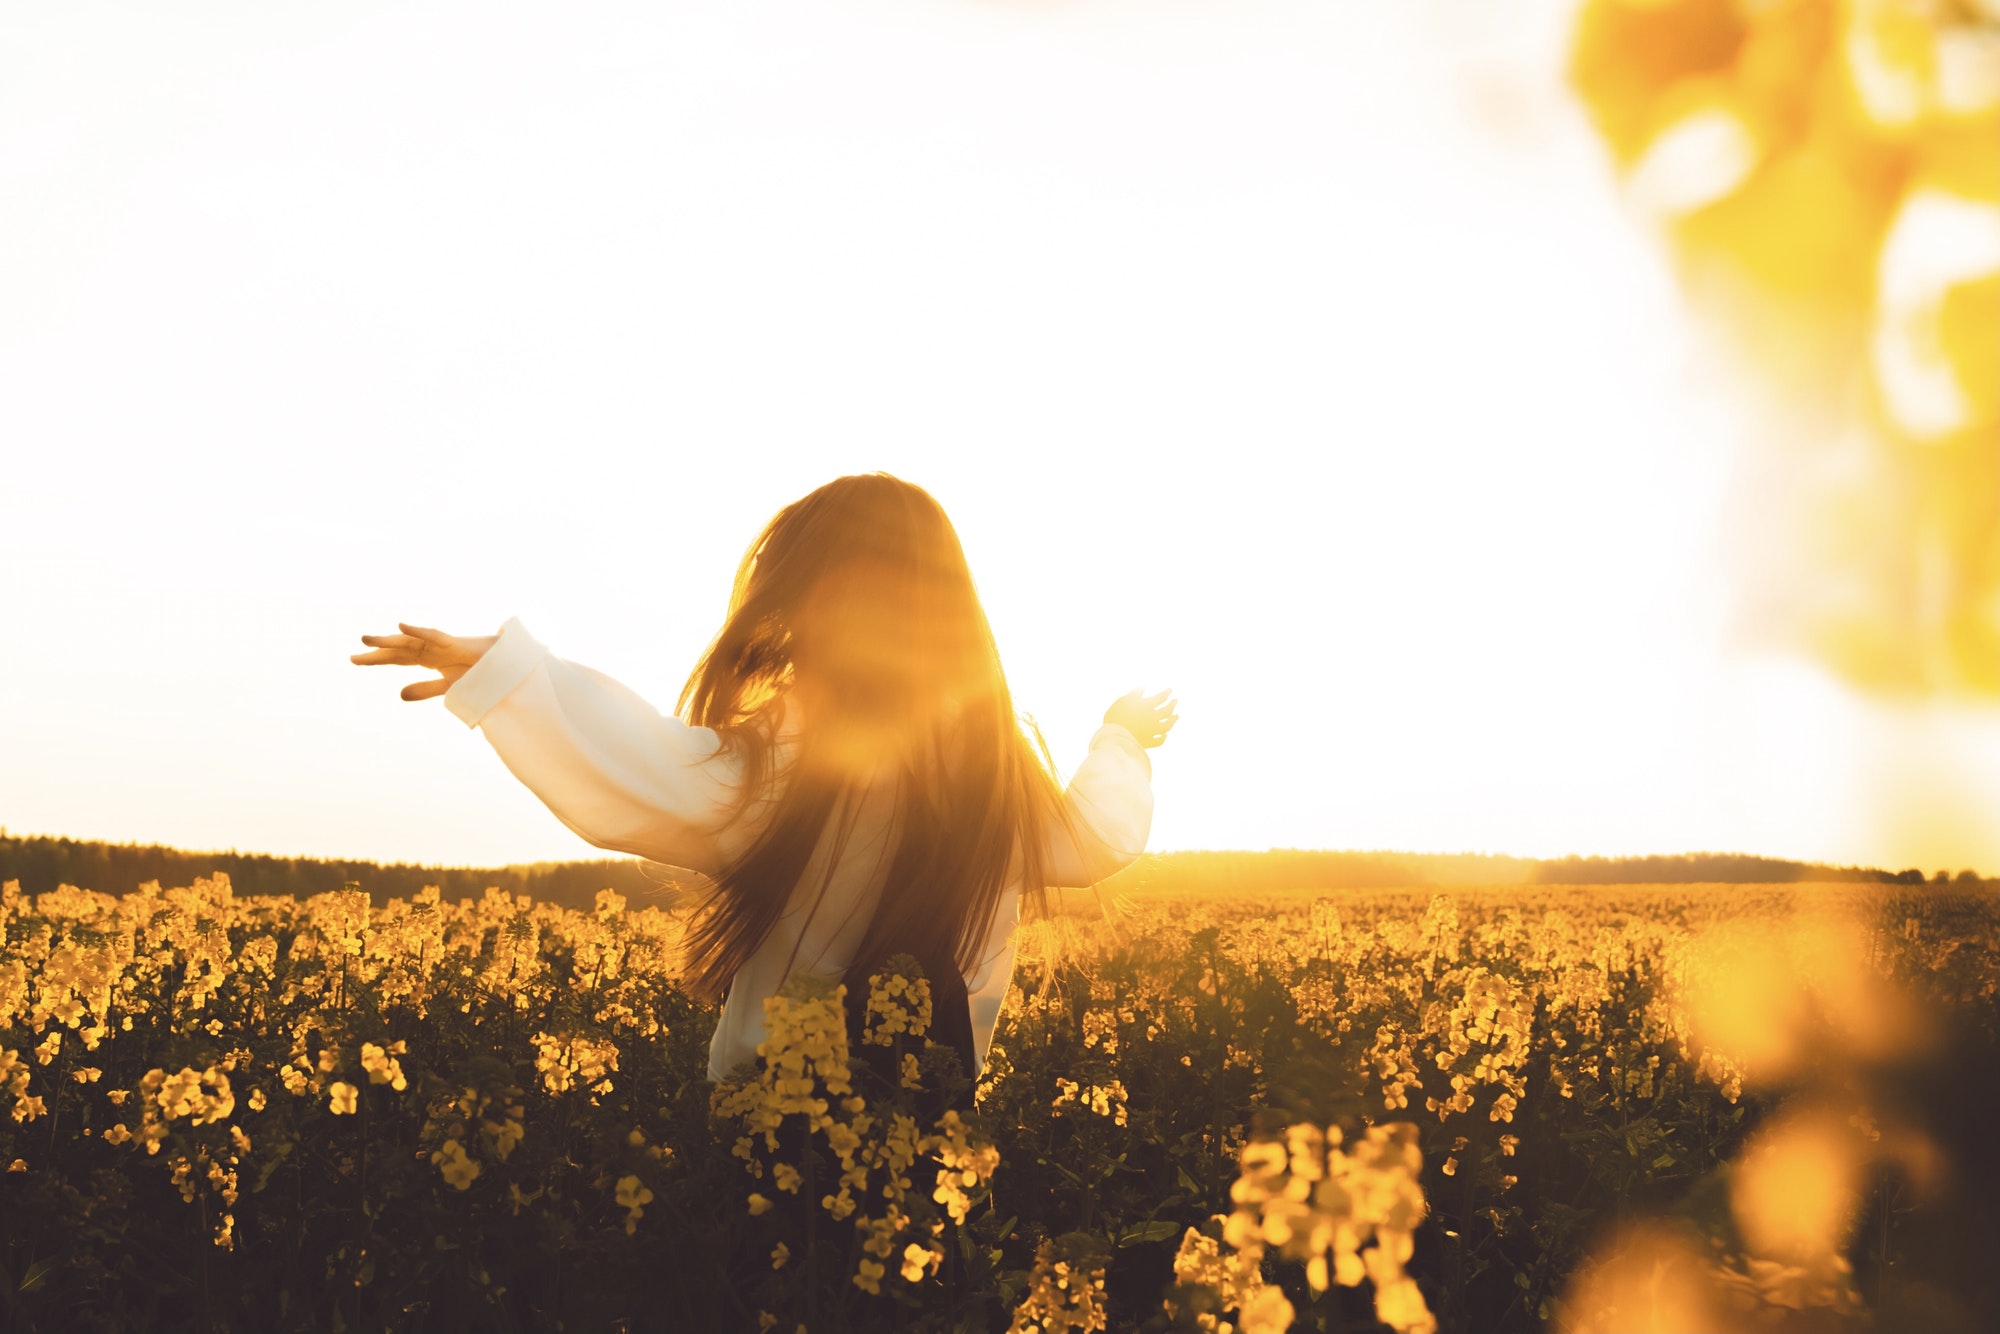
1165	711
1148	717
390	650
415	647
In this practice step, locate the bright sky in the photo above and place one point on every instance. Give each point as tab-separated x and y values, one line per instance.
1299	355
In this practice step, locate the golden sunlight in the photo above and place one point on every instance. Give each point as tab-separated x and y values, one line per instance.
1550	447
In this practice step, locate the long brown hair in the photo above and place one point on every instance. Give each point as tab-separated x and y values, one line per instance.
855	605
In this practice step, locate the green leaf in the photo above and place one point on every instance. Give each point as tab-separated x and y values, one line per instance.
37	1275
269	1165
1160	1229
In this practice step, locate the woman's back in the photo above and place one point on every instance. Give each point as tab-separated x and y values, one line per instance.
628	778
847	767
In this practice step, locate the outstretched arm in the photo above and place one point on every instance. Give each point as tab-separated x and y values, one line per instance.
610	766
1109	804
1109	800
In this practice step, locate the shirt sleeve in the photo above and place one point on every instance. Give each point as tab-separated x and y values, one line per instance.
1109	803
609	765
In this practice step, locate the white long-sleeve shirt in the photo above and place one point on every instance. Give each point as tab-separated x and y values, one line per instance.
629	778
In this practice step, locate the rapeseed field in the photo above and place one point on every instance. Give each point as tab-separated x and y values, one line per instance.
1589	1108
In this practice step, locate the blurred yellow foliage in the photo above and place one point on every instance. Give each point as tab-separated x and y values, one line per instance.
1829	174
1797	1189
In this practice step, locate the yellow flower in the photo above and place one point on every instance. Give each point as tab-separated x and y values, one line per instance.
567	1060
916	1259
505	1134
1065	1288
341	1097
759	1205
1313	1199
458	1169
965	1166
382	1066
633	1197
779	1254
1268	1312
899	1002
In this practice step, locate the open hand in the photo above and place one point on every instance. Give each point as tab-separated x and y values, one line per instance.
1147	717
447	655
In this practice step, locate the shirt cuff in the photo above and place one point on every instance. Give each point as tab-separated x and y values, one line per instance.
1121	736
502	667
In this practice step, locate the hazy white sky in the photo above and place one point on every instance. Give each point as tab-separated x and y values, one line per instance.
1301	356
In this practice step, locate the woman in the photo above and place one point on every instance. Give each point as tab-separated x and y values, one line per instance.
847	768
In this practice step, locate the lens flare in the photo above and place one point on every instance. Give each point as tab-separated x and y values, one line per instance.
1745	1001
1650	1281
1795	1189
1766	997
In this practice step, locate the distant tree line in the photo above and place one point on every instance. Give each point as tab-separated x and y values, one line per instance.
1724	868
42	863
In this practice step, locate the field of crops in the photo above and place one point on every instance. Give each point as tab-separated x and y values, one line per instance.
1603	1108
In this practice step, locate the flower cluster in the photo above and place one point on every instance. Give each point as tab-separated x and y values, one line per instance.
1065	1288
899	1003
1107	1099
572	1060
1212	1282
1348	1213
803	1126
